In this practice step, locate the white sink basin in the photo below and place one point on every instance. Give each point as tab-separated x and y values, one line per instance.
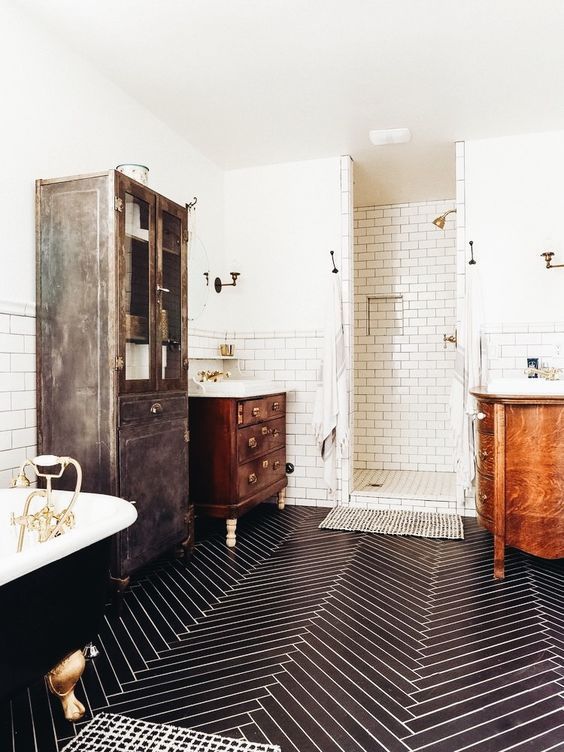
525	386
235	388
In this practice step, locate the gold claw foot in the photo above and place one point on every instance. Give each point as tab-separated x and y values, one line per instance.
231	538
62	680
282	499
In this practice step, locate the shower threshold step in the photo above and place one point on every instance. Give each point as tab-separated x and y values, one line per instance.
402	488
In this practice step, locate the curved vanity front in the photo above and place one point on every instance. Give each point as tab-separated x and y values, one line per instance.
520	472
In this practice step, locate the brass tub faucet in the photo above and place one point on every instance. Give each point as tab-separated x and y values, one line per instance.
46	522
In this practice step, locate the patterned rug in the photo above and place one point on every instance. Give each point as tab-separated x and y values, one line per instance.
395	522
117	733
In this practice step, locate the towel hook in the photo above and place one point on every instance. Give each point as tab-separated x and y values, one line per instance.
334	270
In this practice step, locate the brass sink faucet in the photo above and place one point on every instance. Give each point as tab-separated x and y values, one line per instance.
213	375
549	374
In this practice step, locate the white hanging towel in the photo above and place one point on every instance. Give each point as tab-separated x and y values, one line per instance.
330	414
467	373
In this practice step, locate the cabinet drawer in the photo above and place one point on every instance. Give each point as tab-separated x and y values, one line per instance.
262	408
259	439
486	424
261	472
138	409
485	499
485	453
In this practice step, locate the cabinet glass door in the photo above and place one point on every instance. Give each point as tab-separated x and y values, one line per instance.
171	308
137	289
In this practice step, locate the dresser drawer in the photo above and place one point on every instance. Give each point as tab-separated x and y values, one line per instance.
485	424
485	453
485	499
261	472
263	408
259	439
137	409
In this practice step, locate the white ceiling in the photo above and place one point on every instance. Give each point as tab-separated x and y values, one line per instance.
252	82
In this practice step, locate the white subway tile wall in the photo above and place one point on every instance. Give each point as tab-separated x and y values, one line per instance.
18	436
405	300
506	348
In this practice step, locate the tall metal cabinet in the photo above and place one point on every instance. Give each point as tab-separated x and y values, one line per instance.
112	353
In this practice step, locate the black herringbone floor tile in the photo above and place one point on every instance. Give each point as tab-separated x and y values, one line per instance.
323	641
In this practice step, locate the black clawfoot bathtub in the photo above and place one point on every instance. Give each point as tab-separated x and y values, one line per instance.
52	594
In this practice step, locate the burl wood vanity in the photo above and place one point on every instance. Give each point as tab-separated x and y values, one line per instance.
237	455
520	473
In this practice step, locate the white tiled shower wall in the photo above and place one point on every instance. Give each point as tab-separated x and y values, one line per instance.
17	389
405	300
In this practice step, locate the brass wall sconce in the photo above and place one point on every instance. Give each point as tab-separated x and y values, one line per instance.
441	220
218	284
547	255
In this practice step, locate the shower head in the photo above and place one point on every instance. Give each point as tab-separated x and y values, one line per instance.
440	221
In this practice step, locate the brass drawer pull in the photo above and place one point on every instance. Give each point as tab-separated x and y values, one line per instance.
252	442
276	464
483	453
265	464
264	430
276	406
484	497
256	412
156	408
252	478
276	433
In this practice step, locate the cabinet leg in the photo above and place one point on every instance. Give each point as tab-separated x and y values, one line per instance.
231	538
62	680
499	558
282	498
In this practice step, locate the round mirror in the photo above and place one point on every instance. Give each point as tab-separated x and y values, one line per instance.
198	278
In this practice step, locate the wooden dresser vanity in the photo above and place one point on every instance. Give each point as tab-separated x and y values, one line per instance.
237	455
520	473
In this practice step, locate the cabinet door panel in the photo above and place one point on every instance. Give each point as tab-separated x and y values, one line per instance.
136	229
154	474
171	271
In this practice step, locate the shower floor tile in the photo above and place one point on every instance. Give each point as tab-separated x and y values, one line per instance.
405	484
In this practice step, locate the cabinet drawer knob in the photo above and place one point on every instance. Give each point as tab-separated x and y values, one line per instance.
256	412
252	478
264	430
276	433
276	406
276	464
156	408
481	416
265	464
483	453
252	442
484	497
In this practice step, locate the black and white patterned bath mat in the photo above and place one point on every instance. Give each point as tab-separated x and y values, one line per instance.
117	733
395	522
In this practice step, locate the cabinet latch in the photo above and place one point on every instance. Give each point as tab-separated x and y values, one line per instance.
186	437
119	363
118	204
185	363
185	236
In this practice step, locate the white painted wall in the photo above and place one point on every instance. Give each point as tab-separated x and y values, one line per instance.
515	210
61	117
281	221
